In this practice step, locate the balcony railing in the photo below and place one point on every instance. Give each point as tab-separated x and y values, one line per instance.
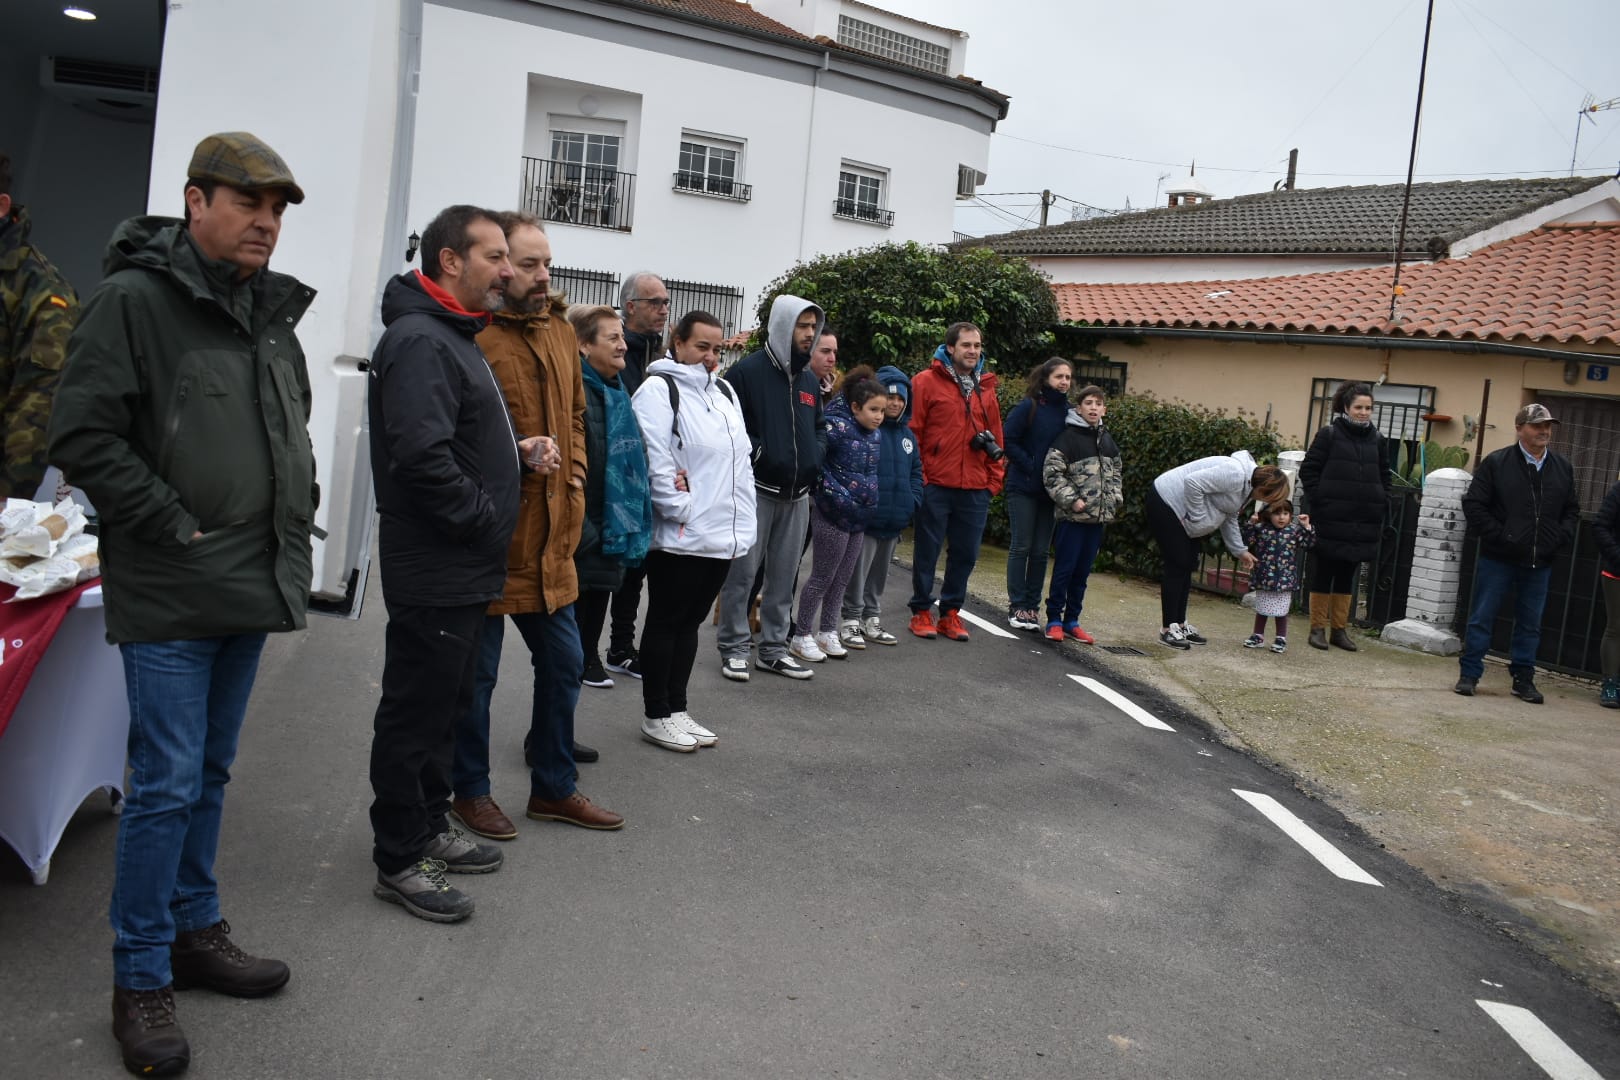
591	195
859	211
720	186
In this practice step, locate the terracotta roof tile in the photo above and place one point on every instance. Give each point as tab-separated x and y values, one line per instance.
1307	221
1558	284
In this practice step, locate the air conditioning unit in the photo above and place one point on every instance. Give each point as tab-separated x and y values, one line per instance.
968	180
116	91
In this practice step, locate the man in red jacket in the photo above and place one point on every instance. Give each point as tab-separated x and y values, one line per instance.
957	421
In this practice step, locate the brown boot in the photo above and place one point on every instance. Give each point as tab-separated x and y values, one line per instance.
1321	611
148	1032
207	958
1341	623
482	816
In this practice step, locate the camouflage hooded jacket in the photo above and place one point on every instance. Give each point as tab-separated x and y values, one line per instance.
1083	464
37	311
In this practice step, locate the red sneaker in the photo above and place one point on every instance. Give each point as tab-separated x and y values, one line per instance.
922	624
1054	631
1080	635
950	624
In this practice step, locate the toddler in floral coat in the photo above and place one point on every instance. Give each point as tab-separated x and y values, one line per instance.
1275	539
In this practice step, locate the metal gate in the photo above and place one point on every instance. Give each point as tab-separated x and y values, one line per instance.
586	286
1573	620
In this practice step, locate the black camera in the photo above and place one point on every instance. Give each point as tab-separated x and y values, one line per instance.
986	442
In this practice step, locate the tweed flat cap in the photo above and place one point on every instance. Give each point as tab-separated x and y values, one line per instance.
242	160
1534	413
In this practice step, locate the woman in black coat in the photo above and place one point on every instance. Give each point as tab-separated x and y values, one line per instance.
1607	527
1346	478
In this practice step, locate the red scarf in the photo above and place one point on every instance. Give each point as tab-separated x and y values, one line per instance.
445	300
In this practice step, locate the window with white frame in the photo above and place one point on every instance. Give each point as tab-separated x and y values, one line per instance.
584	149
711	165
863	193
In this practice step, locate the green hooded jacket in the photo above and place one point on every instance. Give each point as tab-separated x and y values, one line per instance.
184	408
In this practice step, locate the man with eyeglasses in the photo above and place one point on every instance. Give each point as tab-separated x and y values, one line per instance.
645	303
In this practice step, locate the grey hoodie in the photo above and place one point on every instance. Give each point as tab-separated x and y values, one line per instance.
1210	494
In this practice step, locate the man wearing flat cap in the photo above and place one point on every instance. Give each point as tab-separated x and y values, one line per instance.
182	413
1522	509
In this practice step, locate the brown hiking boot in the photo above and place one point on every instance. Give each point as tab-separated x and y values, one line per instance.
207	958
148	1032
480	814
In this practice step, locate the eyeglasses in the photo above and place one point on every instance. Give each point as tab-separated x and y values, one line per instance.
655	301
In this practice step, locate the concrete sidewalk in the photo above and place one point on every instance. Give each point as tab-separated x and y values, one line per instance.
1509	807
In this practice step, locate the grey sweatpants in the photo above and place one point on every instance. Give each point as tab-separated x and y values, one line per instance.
863	598
780	526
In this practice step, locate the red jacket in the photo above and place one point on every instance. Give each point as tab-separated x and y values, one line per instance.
940	417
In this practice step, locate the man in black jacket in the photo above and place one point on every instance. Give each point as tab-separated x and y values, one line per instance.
445	466
644	302
1521	506
781	406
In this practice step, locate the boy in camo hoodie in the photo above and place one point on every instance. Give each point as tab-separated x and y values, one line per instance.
1082	476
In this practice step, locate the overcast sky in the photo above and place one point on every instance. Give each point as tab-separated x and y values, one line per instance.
1236	84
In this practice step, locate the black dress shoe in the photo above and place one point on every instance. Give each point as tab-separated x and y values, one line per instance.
585	753
148	1032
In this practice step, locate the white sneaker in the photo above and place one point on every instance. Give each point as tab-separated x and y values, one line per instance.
850	635
872	630
684	721
829	643
735	667
805	648
665	732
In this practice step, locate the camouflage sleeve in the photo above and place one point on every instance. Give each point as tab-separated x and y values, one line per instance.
46	309
1055	478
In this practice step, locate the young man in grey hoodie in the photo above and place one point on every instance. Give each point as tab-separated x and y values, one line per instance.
781	406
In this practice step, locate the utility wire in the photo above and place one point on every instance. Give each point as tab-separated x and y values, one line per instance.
1501	60
1526	46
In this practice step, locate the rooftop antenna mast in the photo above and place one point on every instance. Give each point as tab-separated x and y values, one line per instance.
1395	289
1588	107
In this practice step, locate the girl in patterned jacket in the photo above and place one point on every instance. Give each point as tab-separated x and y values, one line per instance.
845	495
1275	539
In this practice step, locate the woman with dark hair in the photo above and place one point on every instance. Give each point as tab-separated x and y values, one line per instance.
1188	503
1031	428
618	508
703	517
1346	479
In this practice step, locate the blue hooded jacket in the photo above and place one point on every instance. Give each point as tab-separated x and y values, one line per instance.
900	483
1031	429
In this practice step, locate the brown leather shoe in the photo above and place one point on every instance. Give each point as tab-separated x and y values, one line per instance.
482	816
576	810
148	1032
207	958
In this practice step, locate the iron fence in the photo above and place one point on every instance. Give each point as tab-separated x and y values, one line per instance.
724	302
855	210
578	194
586	286
705	184
1573	620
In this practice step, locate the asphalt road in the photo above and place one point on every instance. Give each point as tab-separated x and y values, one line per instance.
935	860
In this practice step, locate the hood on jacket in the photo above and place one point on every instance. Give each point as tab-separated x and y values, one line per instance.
896	381
785	312
407	294
1244	458
1074	419
950	368
160	244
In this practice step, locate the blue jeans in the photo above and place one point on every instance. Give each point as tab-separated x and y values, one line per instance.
559	663
186	703
947	515
1029	521
1077	545
1492	580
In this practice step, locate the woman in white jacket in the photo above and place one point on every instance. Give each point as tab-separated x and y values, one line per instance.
1188	503
703	517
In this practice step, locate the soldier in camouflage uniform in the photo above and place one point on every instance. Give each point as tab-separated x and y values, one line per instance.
1082	475
37	311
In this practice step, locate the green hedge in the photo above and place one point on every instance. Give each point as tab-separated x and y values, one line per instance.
1153	436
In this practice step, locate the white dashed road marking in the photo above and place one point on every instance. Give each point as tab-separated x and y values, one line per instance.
1307	838
1546	1049
1122	703
984	624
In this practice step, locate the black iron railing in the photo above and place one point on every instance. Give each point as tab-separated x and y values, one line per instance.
586	286
720	186
859	211
591	195
724	302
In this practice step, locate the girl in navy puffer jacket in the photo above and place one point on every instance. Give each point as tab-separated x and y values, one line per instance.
842	503
1032	427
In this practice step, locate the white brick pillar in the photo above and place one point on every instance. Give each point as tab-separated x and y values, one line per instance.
1431	596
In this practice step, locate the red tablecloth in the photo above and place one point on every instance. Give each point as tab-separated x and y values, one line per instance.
26	629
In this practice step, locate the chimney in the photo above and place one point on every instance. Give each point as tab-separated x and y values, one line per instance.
1293	169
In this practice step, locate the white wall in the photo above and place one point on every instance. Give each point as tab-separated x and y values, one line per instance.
476	71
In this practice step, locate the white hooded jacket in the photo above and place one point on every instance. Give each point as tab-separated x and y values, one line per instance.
714	517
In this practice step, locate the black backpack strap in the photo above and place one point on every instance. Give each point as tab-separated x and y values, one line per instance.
674	407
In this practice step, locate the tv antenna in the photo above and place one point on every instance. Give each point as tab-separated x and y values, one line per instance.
1588	107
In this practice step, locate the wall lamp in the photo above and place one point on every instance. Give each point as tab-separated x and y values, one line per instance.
413	244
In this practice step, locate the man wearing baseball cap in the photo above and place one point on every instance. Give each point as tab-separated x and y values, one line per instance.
182	413
1522	509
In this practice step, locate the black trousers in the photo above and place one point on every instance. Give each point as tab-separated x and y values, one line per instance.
1179	553
1333	575
680	593
591	610
429	663
626	605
